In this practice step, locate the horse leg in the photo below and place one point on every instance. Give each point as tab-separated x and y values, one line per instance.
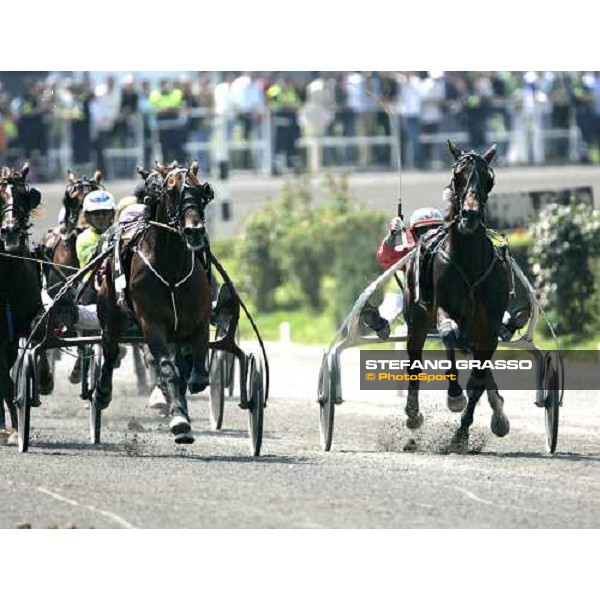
419	326
140	370
184	363
45	374
448	331
500	424
157	400
198	381
173	386
7	392
76	371
110	352
475	388
169	381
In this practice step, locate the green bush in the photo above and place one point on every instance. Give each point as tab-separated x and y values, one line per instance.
566	240
304	243
262	269
356	233
520	242
295	247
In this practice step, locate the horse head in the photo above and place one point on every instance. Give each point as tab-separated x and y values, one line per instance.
77	189
17	200
184	202
472	182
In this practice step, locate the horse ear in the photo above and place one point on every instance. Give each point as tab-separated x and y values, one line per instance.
34	198
454	150
143	173
195	168
490	153
98	176
162	169
24	170
208	193
71	178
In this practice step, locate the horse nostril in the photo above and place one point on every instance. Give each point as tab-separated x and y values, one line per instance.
198	229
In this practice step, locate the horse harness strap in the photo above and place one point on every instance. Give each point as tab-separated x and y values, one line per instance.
171	286
471	286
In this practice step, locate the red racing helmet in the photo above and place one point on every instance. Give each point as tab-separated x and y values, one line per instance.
424	218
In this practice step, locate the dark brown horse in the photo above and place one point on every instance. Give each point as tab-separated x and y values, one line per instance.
20	279
59	246
470	295
170	295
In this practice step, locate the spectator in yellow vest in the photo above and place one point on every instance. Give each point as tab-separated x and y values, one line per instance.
284	101
167	104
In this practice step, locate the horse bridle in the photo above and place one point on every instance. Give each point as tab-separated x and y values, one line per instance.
81	184
472	158
20	214
187	200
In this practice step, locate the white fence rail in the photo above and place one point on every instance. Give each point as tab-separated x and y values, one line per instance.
221	139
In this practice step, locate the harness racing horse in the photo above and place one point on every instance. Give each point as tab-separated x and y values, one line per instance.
59	246
20	280
470	287
169	292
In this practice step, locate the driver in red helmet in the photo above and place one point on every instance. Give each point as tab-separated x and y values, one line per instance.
422	220
388	253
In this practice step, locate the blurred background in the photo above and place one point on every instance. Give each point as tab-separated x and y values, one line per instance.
305	167
279	122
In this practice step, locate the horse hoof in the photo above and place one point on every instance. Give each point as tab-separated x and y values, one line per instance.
198	384
460	442
414	421
456	404
184	438
46	387
410	446
102	401
75	376
157	400
9	437
179	425
500	425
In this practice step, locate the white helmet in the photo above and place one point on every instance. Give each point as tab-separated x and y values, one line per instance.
98	200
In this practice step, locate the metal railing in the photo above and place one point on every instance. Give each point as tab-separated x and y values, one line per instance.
222	138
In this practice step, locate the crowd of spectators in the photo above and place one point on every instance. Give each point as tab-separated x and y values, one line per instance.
532	114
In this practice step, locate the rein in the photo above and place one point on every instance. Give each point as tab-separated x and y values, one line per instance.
471	286
171	286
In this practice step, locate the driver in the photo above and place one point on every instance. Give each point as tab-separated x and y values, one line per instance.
99	212
388	253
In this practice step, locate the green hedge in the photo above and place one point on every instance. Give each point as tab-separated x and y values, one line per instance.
296	252
566	241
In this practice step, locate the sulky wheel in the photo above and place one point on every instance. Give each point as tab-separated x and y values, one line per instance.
218	366
552	401
26	398
327	399
256	401
95	365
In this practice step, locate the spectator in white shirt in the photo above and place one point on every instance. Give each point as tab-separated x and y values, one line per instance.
433	96
104	112
409	107
248	101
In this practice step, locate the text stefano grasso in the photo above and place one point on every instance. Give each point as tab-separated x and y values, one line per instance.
501	365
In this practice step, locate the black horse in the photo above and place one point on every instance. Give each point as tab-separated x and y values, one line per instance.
20	279
470	294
